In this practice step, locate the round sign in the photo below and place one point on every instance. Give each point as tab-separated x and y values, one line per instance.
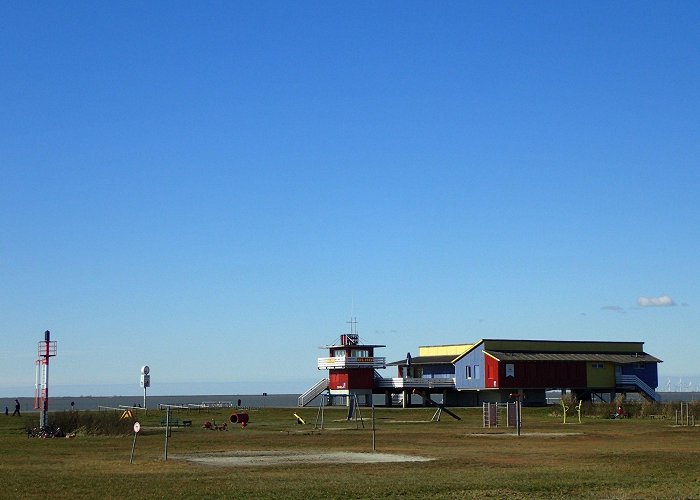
145	369
137	427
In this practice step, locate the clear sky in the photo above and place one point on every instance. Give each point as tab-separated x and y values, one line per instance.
215	188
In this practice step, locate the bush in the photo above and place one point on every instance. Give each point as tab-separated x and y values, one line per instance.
635	409
85	422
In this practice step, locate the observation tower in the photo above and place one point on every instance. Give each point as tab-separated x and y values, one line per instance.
351	368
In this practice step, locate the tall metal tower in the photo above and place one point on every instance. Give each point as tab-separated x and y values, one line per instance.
47	349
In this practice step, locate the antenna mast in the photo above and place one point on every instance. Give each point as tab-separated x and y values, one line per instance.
353	325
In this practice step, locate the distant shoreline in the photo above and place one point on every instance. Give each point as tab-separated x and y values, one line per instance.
61	403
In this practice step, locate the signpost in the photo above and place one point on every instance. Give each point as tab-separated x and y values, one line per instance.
145	381
137	428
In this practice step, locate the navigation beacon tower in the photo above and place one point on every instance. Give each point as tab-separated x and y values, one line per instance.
47	349
351	367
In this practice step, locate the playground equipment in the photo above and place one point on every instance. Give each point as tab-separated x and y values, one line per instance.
353	411
440	407
565	407
490	415
683	416
239	418
319	413
213	426
492	418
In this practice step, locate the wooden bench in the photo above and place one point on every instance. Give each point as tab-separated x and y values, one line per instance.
175	422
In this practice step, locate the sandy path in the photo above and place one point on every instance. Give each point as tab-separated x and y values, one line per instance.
261	458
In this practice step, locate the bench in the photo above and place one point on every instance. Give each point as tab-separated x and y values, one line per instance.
175	422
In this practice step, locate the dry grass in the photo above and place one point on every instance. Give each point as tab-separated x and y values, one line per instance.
632	458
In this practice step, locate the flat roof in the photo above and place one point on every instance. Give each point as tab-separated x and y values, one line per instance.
447	345
424	360
557	346
618	358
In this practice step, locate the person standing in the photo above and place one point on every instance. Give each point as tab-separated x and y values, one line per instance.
16	412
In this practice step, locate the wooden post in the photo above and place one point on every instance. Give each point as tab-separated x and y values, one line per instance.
374	431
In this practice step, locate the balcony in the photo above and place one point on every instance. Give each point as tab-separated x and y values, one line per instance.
344	363
414	383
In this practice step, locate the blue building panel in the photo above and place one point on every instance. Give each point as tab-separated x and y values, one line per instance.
469	370
647	372
438	371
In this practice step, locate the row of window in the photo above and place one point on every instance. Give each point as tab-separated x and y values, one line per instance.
354	353
474	372
636	366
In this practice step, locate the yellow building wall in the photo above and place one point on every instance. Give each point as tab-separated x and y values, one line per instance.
600	377
443	350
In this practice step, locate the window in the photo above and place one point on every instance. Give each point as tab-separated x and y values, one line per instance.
339	353
639	366
477	372
360	353
597	365
469	372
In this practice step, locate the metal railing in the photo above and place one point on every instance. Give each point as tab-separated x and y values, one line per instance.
635	381
350	362
313	392
418	383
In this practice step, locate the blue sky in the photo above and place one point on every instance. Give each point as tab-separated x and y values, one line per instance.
214	189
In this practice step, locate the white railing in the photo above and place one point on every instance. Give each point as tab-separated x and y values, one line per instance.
418	383
639	383
313	392
350	362
217	404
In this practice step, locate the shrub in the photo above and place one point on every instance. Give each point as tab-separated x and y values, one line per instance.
86	422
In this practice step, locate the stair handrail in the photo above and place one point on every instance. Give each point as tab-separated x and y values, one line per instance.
313	392
635	380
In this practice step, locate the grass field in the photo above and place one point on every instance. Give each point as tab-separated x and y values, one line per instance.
599	458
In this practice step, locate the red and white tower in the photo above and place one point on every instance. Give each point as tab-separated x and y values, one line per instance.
351	366
47	349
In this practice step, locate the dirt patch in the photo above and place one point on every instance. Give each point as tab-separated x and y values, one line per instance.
525	434
269	458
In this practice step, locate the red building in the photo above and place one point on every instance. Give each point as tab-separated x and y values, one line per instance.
351	369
